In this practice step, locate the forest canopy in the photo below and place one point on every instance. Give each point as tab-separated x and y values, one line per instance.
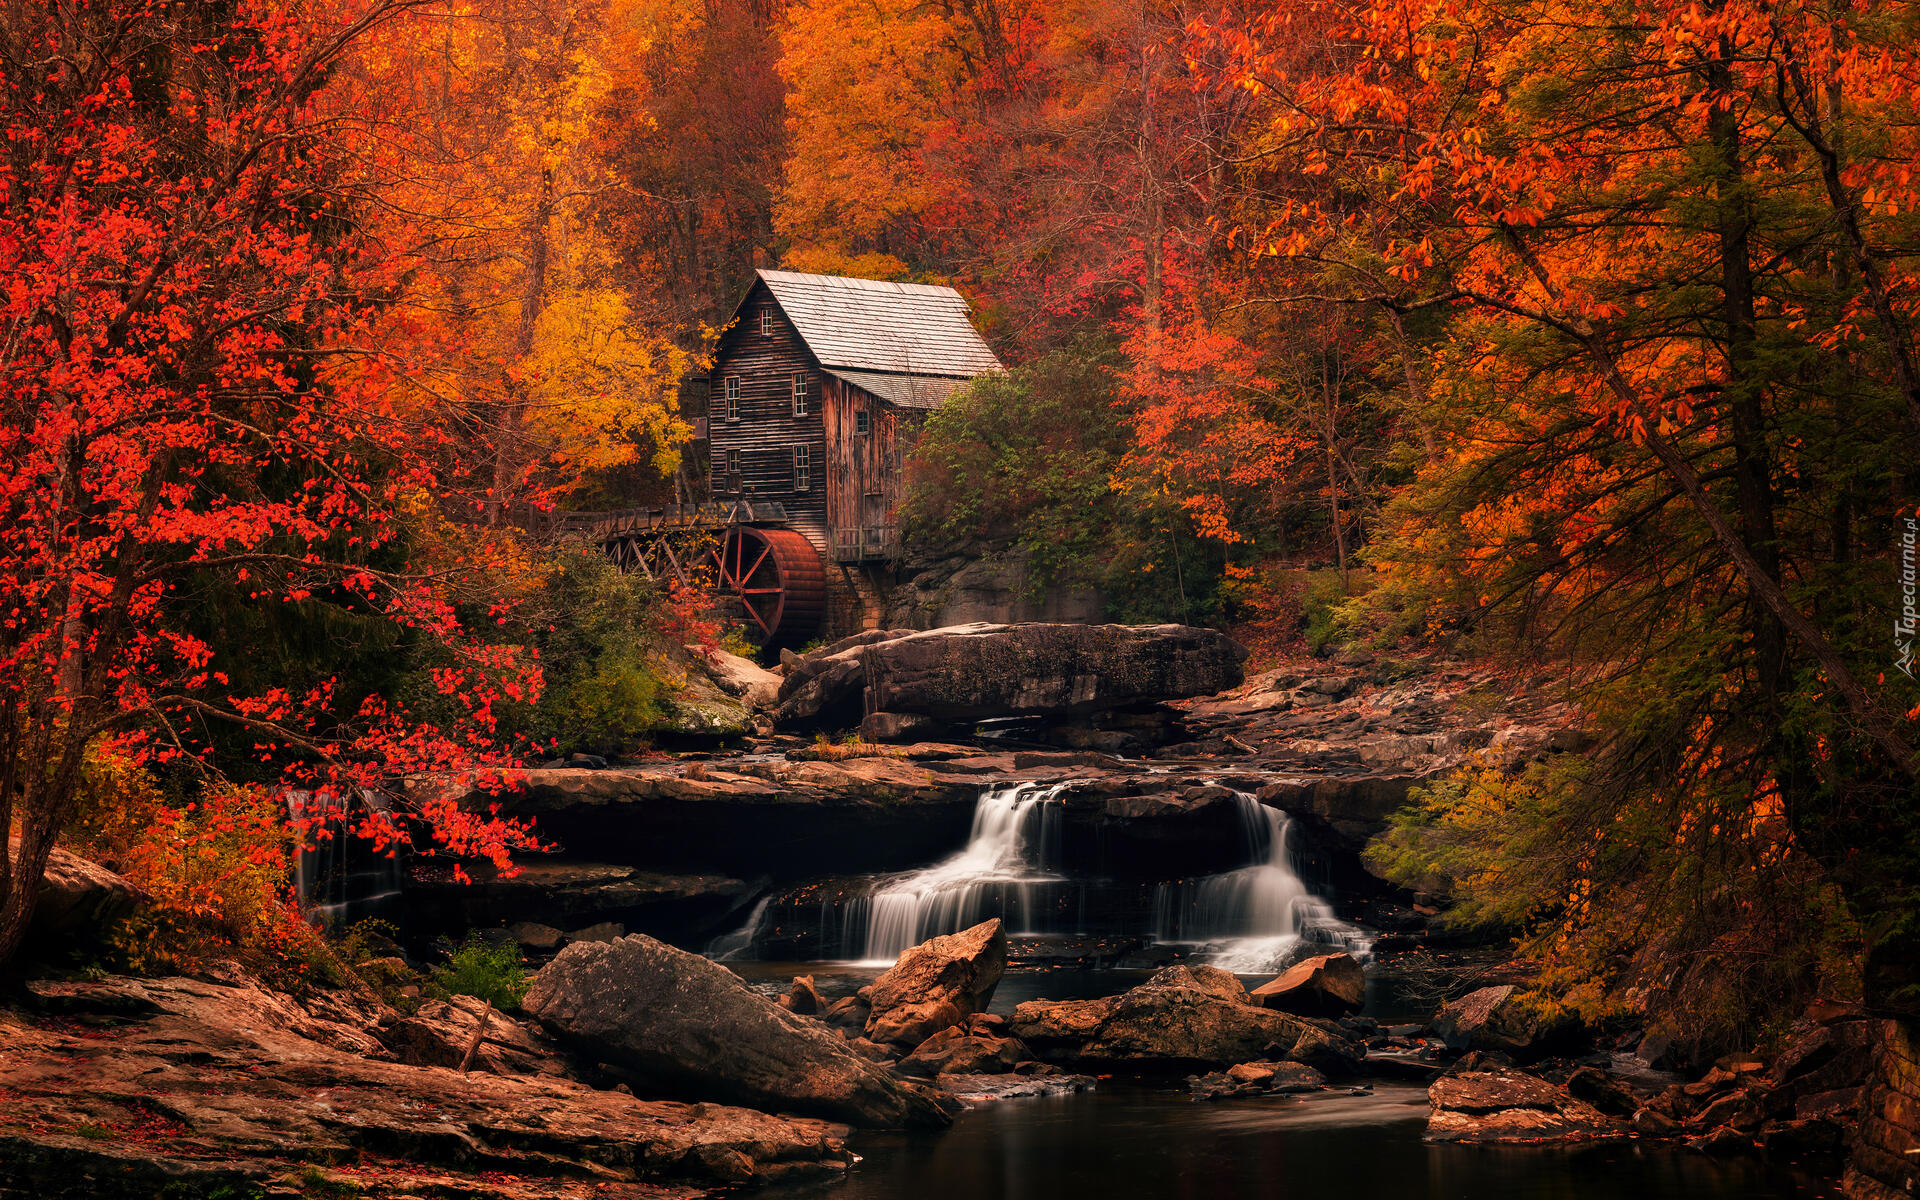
1568	334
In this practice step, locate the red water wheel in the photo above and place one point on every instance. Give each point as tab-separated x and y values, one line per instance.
779	578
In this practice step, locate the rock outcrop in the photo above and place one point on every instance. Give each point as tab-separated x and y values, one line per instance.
1180	1019
439	1032
969	673
677	1023
995	586
1256	1079
570	894
1506	1106
937	985
1497	1019
749	682
1329	985
195	1088
79	901
958	1052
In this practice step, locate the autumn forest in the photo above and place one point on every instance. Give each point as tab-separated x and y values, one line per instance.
1450	487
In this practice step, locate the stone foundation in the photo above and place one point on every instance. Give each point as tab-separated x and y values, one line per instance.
1886	1151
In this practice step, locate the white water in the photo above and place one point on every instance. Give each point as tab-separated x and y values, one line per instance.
733	945
1002	872
1253	920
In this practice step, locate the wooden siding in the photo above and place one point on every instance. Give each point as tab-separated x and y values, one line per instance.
767	432
864	469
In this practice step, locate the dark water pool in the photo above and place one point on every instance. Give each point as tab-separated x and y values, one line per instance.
1132	1143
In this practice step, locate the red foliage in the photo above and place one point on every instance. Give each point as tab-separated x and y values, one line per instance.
184	398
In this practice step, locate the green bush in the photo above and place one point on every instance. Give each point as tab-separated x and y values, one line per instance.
593	627
1023	458
486	970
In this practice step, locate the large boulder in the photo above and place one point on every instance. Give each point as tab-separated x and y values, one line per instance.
1506	1106
1330	985
1499	1019
686	1026
959	1052
967	673
979	672
751	683
80	901
1180	1019
937	985
190	1087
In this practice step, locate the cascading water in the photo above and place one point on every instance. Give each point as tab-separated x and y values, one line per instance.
341	880
1252	920
736	944
1004	871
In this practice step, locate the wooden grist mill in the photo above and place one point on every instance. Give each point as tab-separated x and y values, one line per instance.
817	393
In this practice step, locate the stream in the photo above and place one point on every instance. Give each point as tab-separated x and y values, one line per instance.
1149	1141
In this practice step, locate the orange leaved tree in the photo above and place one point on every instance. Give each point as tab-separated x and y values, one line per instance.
182	408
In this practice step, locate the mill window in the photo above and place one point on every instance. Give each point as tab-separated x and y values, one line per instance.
733	462
860	425
733	397
766	322
799	393
802	468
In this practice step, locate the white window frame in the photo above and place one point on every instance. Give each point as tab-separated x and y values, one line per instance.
766	321
731	462
802	468
801	391
732	389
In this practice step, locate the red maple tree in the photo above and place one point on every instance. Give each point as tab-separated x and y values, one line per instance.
184	403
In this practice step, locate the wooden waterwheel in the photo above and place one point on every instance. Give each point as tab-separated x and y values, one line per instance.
778	576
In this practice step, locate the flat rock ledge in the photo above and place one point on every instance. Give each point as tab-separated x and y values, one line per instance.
132	1089
1506	1106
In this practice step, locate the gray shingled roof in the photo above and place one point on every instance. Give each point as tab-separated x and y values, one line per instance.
874	325
908	391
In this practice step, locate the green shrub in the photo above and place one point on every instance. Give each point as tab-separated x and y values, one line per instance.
484	969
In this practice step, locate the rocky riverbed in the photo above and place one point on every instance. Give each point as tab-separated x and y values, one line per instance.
1136	796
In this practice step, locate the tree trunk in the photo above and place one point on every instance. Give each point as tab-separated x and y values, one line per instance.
1752	471
509	458
1878	722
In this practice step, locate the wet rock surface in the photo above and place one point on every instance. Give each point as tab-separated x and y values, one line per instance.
936	985
1497	1019
1256	1079
1181	1018
963	674
1506	1106
1326	985
679	1024
126	1088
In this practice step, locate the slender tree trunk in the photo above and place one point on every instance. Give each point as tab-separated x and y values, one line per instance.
1801	104
1416	385
1328	431
1743	395
509	455
1878	722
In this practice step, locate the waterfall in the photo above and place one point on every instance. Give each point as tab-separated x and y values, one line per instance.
340	880
1250	921
1004	871
733	945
